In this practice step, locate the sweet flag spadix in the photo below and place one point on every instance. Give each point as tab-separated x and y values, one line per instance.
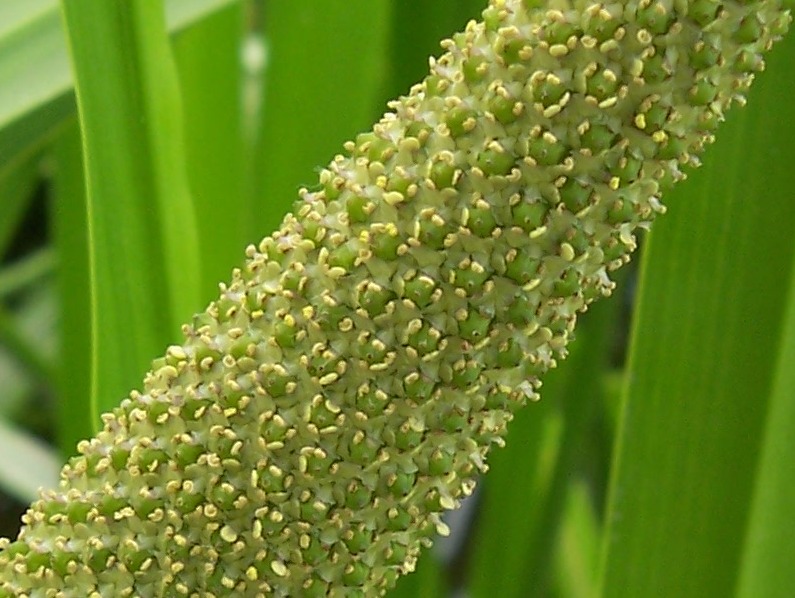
345	388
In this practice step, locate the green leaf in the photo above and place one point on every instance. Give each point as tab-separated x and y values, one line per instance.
23	349
770	540
515	494
26	271
17	182
704	359
75	418
27	340
208	60
577	559
34	465
182	15
426	582
35	81
143	253
322	86
525	491
414	36
26	309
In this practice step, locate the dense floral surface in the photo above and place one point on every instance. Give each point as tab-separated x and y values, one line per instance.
345	388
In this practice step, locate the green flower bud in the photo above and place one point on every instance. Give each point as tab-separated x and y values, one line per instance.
347	386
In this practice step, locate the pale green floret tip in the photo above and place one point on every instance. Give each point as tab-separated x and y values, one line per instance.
346	387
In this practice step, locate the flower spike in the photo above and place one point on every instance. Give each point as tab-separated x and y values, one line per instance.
345	388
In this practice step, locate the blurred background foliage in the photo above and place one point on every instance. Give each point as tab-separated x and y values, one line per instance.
659	462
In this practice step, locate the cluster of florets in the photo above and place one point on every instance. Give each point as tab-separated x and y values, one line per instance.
344	390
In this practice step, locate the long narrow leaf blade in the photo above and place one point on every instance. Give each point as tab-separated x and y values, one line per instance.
35	83
415	35
210	71
36	87
69	217
321	88
34	465
17	182
527	485
703	358
142	244
770	542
